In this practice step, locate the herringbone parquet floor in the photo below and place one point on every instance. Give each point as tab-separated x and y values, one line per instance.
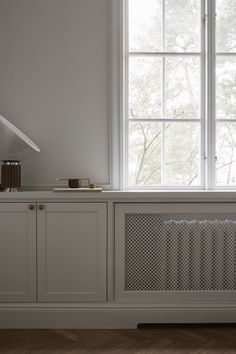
166	340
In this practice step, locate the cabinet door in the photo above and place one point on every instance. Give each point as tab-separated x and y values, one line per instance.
17	252
72	252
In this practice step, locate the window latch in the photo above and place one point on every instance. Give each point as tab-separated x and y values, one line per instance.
204	19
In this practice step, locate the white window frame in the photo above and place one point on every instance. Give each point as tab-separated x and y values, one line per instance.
211	97
210	124
118	98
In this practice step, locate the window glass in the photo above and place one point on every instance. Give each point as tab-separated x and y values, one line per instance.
226	87
226	154
145	25
226	26
145	87
182	25
182	82
144	153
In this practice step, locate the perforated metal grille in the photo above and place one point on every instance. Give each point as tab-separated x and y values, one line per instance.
176	252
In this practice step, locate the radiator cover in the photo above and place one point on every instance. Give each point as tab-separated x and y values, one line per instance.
179	252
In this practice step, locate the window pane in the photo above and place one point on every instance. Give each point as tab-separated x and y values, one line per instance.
144	87
145	25
144	153
226	88
182	87
226	26
182	163
167	87
178	143
226	154
182	33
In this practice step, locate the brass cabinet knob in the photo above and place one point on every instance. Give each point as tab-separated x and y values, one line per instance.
41	207
31	207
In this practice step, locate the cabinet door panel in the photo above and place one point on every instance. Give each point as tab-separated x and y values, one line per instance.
17	253
72	252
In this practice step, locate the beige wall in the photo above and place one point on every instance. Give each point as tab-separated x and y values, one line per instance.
54	84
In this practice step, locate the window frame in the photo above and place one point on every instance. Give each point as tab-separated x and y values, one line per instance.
212	118
118	107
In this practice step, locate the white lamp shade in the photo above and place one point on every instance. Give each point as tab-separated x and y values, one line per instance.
14	145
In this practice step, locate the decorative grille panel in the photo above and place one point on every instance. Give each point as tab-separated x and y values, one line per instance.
179	253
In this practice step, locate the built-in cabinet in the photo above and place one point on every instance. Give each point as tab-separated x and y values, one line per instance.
115	260
57	248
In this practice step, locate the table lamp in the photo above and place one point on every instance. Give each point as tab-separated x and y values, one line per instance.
14	147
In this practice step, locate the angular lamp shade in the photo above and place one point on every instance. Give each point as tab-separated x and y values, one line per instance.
14	145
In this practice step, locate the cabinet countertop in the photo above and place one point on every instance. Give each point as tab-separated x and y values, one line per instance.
120	196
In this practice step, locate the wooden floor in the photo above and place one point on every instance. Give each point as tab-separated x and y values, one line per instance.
142	341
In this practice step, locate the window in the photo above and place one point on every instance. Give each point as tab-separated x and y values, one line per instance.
180	94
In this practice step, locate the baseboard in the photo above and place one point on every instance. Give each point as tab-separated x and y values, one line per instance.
109	318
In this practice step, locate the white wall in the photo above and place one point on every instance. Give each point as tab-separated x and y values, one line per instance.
54	85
